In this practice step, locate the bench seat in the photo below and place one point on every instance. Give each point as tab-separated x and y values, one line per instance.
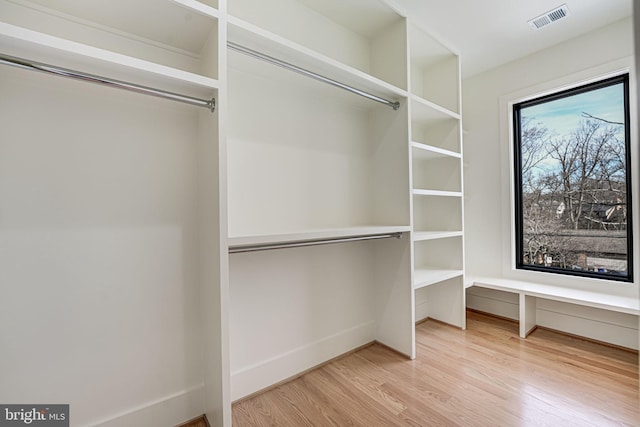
529	292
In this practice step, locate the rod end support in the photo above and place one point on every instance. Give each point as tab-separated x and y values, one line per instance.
395	105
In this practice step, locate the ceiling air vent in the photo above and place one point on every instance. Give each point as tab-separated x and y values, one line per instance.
550	17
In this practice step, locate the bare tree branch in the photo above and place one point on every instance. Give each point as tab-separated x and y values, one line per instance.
589	116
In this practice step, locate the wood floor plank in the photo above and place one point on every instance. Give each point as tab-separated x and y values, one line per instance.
483	376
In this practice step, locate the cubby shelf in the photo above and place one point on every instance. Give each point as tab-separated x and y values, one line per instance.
435	69
433	235
423	277
425	111
440	193
427	152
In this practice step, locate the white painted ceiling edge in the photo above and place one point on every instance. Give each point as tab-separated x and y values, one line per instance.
489	33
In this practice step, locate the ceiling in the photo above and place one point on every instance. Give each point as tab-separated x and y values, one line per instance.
488	33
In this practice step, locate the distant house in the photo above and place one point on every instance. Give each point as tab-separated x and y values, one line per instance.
593	250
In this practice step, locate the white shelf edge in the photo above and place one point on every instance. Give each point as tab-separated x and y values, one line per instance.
436	150
368	81
439	193
419	236
424	277
198	7
97	56
435	107
313	234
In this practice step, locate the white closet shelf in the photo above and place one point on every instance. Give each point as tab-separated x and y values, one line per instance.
424	111
428	152
440	193
318	234
175	24
433	235
32	45
258	39
423	277
198	7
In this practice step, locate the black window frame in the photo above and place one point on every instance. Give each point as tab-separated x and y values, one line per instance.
517	179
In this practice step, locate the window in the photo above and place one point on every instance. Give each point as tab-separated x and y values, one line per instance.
572	181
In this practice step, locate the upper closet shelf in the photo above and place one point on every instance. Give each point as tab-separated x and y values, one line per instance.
36	46
237	243
176	24
169	44
363	35
267	43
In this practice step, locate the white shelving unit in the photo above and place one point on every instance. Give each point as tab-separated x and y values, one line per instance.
113	213
316	162
126	211
436	152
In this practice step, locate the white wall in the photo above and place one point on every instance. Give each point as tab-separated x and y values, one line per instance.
487	161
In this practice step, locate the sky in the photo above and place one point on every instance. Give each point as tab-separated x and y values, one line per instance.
562	116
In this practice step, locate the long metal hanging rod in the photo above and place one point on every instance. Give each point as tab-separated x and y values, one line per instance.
307	73
64	72
310	242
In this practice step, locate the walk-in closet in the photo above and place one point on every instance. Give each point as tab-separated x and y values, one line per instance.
201	199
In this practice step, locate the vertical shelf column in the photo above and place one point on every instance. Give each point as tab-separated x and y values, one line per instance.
214	256
437	184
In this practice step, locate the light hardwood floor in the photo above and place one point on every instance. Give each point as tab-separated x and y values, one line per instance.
484	376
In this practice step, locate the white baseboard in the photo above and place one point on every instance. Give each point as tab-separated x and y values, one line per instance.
422	309
168	411
592	329
251	379
602	325
499	303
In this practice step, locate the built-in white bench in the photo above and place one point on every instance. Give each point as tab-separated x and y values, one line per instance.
529	292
